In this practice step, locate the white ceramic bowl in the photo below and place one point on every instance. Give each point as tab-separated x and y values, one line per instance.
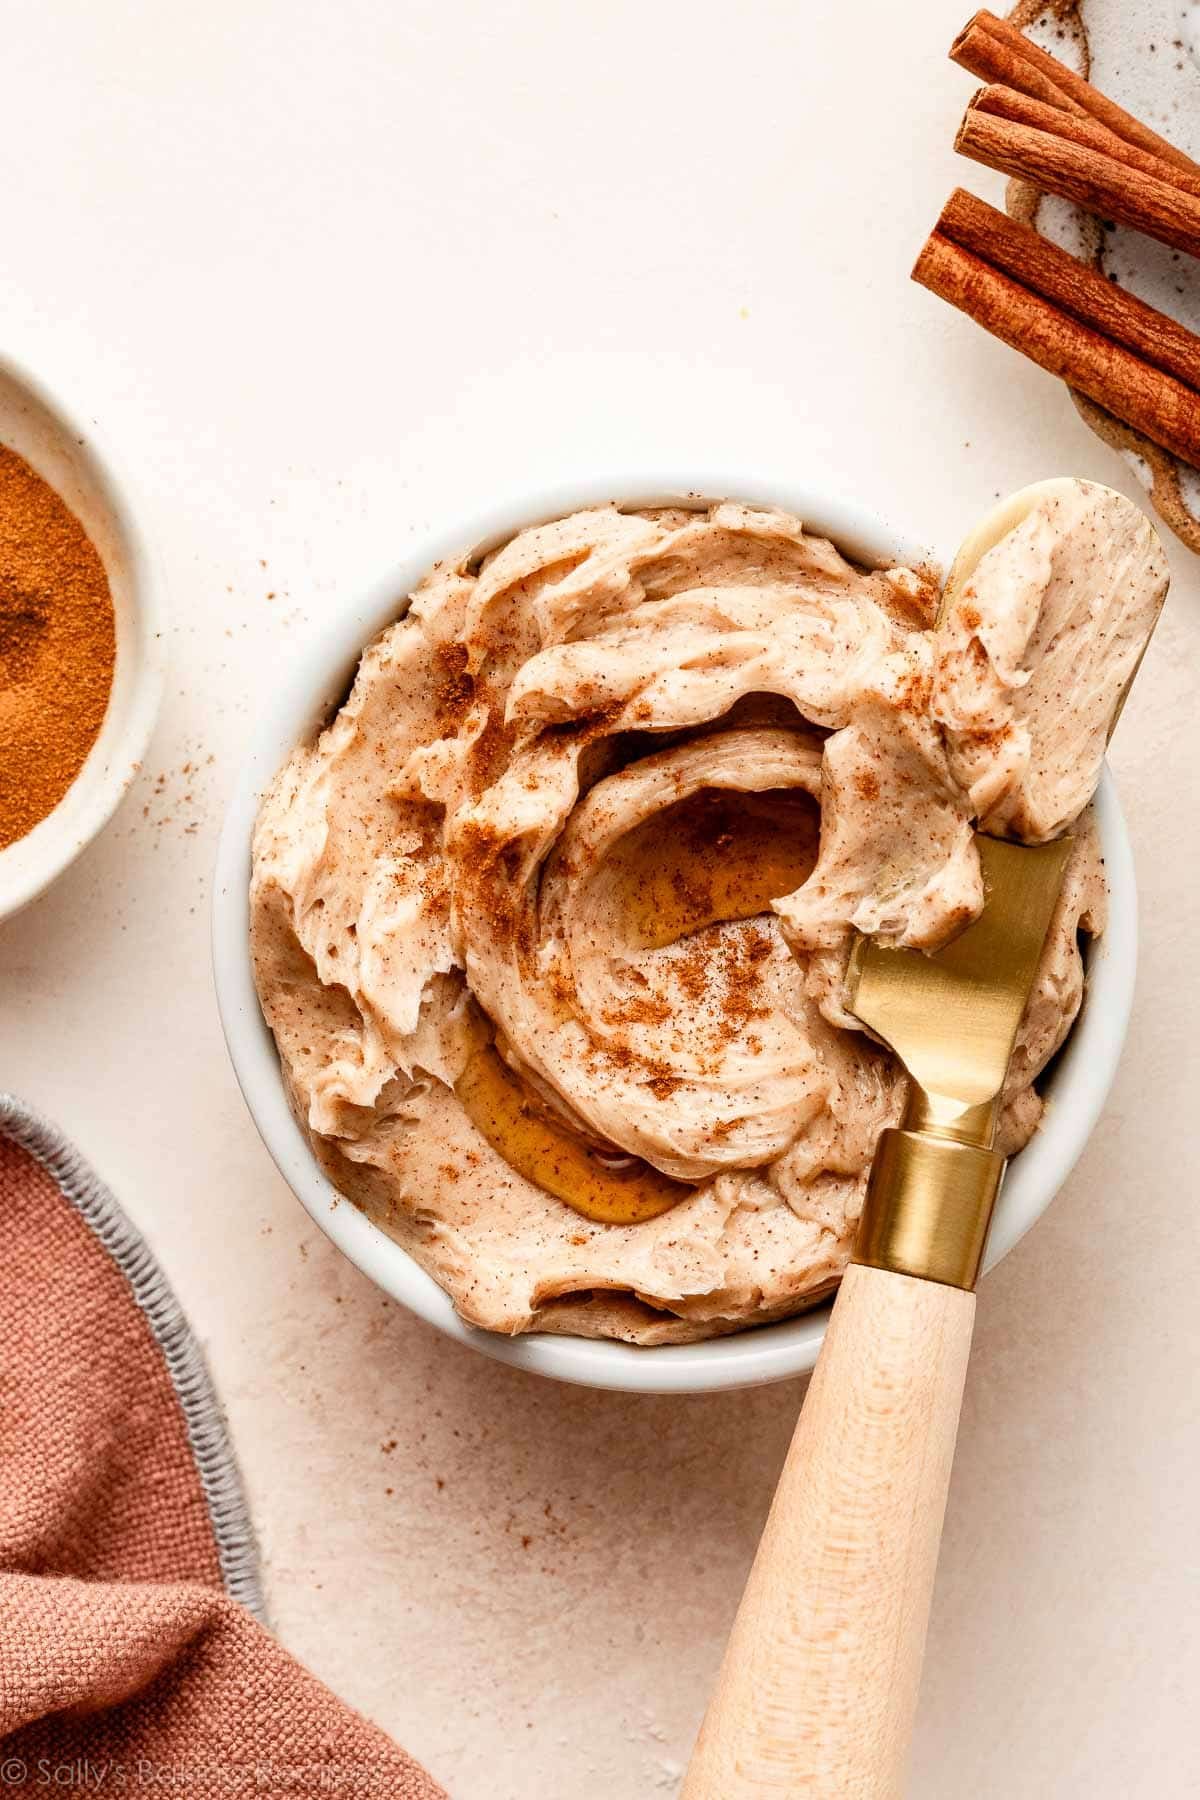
305	698
65	454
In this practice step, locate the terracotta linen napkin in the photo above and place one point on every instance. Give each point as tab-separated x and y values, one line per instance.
130	1655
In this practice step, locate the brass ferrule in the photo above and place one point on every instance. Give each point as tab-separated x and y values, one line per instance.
952	1019
929	1203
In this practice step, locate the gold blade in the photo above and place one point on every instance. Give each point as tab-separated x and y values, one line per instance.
952	1017
997	524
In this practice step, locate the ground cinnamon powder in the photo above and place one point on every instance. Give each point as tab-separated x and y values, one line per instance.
57	647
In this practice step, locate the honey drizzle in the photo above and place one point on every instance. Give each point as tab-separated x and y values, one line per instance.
714	857
499	1106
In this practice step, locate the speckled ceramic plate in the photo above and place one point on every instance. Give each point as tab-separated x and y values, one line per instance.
1146	55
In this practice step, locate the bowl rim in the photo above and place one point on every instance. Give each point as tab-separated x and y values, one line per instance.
57	851
316	682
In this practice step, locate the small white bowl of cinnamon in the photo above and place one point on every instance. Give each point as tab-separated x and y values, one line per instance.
82	639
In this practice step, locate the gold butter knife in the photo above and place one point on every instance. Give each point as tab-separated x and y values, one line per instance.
818	1688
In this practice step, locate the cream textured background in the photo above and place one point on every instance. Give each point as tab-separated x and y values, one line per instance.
319	271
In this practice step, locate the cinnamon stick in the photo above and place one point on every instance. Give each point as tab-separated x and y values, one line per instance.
995	50
1008	103
1100	179
1022	253
1134	362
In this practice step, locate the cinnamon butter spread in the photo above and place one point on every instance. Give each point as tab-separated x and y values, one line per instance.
551	922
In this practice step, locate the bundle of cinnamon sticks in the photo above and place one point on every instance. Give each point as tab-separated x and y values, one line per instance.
1038	120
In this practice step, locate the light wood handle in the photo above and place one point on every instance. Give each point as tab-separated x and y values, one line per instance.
818	1688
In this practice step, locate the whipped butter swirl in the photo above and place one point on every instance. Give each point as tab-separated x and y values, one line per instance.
551	923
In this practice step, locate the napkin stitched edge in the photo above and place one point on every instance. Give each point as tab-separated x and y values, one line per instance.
97	1206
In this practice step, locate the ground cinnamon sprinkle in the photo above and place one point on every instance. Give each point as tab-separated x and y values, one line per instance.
57	647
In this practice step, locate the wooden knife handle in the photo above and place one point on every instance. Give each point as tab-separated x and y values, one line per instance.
818	1688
